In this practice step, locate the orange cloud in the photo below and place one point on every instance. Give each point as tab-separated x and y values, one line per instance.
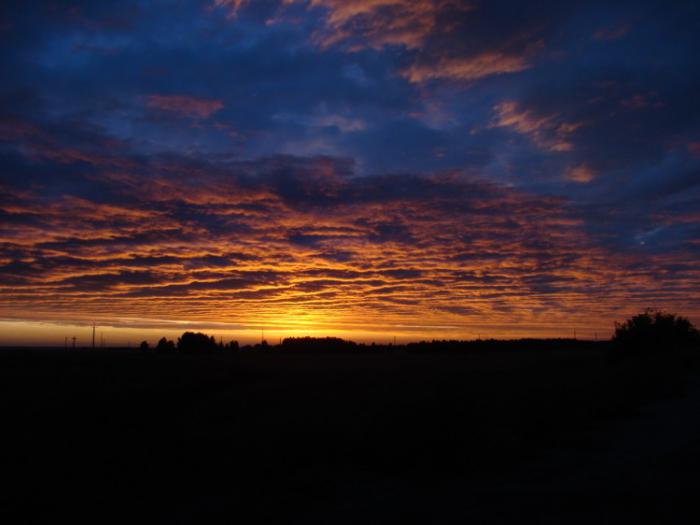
412	24
548	132
466	68
184	106
379	23
233	6
581	174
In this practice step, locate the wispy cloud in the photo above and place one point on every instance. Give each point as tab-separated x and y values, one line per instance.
612	32
379	23
184	105
549	131
581	174
466	68
231	6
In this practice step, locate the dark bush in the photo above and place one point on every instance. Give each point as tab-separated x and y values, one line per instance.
191	343
655	332
317	345
164	346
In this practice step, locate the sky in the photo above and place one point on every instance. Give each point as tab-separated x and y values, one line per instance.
367	169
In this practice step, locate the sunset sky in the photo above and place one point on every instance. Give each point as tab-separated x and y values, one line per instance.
367	169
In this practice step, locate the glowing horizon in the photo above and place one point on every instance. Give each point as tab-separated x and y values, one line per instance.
60	334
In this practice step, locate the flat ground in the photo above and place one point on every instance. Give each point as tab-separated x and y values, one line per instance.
485	437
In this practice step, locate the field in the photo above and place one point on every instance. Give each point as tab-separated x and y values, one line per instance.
534	436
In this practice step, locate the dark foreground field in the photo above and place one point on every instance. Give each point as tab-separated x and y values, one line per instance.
556	436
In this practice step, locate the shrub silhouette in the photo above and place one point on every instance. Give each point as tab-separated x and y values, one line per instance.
164	346
317	345
655	332
191	342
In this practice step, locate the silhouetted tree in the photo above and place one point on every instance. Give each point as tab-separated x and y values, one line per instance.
144	346
164	346
262	345
317	345
655	332
233	346
191	342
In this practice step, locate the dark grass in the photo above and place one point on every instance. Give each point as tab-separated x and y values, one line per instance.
337	438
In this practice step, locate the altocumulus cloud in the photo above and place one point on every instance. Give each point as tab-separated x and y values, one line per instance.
247	241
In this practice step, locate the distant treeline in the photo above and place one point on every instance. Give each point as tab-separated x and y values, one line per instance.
190	343
198	343
648	332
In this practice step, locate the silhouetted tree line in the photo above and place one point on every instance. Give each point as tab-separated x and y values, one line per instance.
198	343
191	343
492	345
647	333
317	345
